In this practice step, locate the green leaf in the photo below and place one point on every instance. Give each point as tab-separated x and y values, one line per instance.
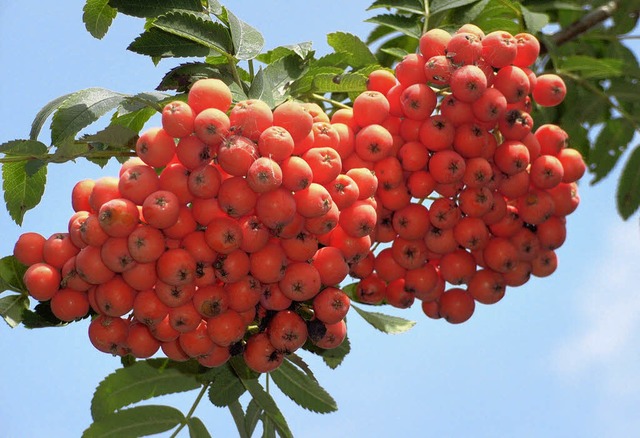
628	193
301	49
300	363
11	274
43	114
395	52
302	389
97	17
304	84
247	41
437	6
592	68
410	26
197	429
272	84
268	405
359	52
225	388
81	109
534	21
23	189
237	413
347	82
11	308
141	381
134	120
413	6
181	78
333	357
24	148
41	317
385	323
193	28
608	147
150	9
252	417
114	136
135	422
160	44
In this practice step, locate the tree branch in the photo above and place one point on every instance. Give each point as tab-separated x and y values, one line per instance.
585	23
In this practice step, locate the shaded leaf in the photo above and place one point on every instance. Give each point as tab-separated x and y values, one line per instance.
150	9
11	274
300	363
81	109
302	389
592	68
40	317
359	52
237	413
196	29
610	143
23	189
160	44
135	422
115	136
141	381
385	323
301	49
181	78
304	84
268	405
252	417
410	26
395	52
272	84
11	308
43	114
225	388
534	21
628	193
437	6
247	41
69	150
97	17
24	148
413	6
197	429
333	357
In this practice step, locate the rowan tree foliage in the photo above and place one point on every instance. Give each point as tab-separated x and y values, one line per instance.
581	42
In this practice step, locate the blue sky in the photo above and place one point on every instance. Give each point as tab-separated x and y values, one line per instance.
557	357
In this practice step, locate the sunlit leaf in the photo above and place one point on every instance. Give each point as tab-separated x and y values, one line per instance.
359	52
150	9
196	29
11	308
247	40
23	188
97	17
385	323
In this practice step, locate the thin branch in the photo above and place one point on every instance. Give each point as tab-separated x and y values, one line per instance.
593	18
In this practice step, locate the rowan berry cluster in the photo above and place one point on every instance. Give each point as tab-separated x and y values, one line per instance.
232	229
472	195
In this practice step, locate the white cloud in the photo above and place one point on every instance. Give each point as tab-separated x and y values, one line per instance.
606	342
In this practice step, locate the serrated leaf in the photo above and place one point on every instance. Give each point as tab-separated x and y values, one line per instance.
342	83
180	78
359	53
413	6
237	413
225	388
301	49
333	357
592	68
437	6
44	113
97	17
24	148
81	109
303	390
134	120
300	363
160	44
114	136
247	40
410	26
534	21
395	52
611	142
11	274
150	9
304	84
11	308
135	422
22	190
252	417
268	405
69	150
193	28
197	429
141	381
215	7
272	84
40	317
628	193
385	323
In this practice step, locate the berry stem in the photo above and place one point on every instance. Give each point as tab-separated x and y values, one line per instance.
335	103
192	410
